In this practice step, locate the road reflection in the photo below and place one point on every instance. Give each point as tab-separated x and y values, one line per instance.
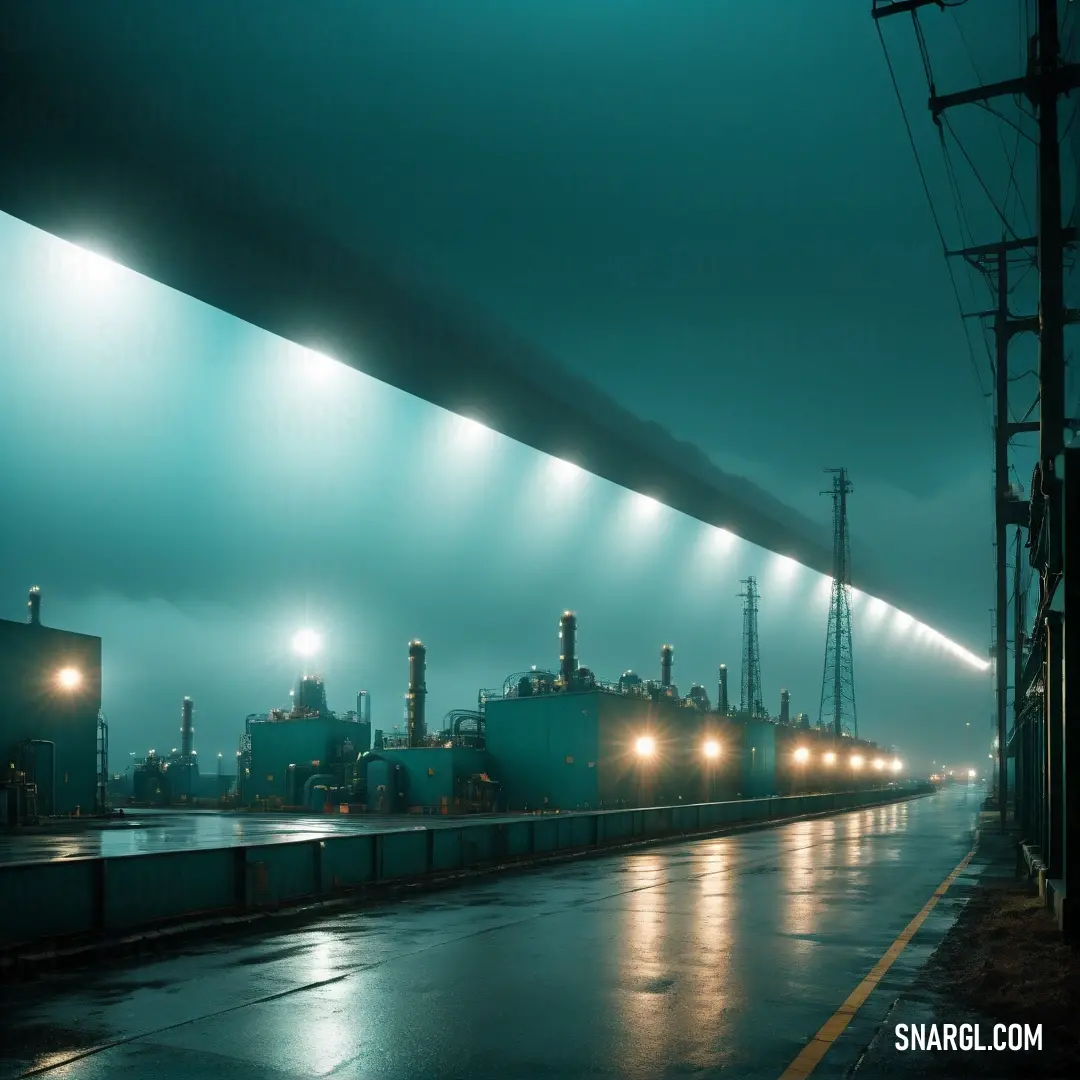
676	989
808	846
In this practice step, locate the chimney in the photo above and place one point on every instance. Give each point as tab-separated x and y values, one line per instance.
667	654
187	732
414	699
785	707
722	700
33	607
567	648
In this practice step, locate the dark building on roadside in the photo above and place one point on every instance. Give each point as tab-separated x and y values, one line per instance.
49	712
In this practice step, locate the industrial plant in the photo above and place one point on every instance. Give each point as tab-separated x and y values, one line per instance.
548	739
557	740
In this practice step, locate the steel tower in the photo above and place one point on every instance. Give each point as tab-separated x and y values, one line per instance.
750	701
838	682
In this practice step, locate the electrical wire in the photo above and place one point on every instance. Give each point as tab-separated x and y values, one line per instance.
930	203
1011	183
982	183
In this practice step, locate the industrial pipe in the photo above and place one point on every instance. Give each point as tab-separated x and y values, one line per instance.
666	657
417	693
567	648
309	784
33	606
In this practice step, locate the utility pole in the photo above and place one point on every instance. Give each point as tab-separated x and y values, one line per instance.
1019	622
1042	84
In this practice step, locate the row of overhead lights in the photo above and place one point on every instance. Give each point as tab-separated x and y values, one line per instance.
646	747
856	761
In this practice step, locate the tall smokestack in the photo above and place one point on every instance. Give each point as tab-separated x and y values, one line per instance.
33	607
187	732
667	654
417	693
785	707
568	647
722	700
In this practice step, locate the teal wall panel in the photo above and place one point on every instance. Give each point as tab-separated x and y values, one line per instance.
541	749
759	760
348	861
403	854
142	889
39	900
277	873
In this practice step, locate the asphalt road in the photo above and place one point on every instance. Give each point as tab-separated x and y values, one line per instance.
144	832
719	957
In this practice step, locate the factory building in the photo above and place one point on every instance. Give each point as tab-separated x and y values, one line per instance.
303	757
49	718
595	748
546	740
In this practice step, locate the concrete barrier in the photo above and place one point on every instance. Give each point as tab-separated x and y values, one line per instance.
109	896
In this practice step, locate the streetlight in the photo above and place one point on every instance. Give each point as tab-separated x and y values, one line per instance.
897	765
711	749
69	678
856	761
829	758
802	755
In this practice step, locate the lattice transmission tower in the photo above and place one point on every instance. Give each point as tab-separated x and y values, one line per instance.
838	683
750	700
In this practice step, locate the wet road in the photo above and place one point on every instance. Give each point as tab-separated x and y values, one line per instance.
144	832
711	957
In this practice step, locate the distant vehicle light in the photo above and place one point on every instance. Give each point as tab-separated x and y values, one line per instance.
645	746
711	748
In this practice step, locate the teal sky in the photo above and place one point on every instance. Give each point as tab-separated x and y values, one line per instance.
711	210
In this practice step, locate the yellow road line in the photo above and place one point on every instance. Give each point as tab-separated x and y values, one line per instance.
810	1056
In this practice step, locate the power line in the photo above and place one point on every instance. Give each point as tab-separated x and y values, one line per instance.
930	203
